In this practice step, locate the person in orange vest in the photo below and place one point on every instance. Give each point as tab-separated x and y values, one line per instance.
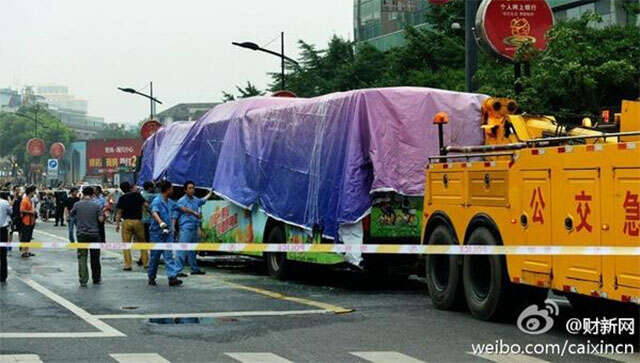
28	213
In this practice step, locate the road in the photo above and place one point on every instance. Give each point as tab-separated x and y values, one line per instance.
235	313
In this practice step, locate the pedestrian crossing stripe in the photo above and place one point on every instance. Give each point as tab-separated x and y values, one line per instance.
267	357
342	248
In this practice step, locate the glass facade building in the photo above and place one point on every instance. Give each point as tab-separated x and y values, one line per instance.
380	22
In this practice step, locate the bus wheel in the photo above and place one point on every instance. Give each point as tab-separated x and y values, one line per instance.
277	263
443	273
486	287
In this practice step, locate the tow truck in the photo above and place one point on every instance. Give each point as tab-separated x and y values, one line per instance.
534	182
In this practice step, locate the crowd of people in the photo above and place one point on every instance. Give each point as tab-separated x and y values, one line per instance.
150	215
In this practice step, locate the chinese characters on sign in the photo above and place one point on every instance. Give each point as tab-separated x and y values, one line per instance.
110	156
583	211
632	215
537	203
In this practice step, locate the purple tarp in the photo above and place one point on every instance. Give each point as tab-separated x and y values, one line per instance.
316	162
197	157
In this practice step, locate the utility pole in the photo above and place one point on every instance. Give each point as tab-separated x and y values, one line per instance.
282	58
471	48
151	99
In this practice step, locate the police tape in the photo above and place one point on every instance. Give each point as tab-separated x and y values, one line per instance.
344	248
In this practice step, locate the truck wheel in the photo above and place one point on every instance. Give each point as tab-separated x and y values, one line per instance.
277	263
443	273
486	287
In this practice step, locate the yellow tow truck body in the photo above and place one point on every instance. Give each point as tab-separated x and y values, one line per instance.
535	183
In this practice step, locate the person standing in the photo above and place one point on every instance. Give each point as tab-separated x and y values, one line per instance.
149	194
68	206
60	199
16	225
189	217
100	200
163	211
88	215
28	213
129	209
5	220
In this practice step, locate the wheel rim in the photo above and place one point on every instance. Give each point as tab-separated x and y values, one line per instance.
480	274
439	269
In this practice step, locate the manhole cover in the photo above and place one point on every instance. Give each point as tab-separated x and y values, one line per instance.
165	321
129	307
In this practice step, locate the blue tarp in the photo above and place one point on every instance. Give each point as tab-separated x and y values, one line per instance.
316	162
197	157
160	149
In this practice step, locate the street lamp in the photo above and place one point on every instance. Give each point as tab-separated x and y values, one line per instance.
281	55
149	96
34	119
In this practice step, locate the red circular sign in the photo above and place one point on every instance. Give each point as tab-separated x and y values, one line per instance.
284	93
504	25
149	128
57	150
35	147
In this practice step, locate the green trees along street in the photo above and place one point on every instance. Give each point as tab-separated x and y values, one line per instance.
586	68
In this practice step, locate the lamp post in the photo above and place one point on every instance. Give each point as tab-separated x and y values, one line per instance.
152	100
34	119
281	55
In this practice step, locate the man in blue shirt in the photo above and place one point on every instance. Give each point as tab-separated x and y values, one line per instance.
101	201
189	222
163	211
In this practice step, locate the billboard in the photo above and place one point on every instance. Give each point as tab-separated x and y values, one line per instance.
106	157
504	25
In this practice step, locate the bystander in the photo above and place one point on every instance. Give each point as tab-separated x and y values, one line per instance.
88	216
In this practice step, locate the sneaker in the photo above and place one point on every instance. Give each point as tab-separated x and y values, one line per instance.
152	282
83	284
182	274
126	269
97	282
31	254
175	282
24	255
199	272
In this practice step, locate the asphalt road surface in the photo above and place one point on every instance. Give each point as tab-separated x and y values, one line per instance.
236	313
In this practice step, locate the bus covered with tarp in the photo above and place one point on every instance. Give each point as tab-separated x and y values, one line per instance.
347	167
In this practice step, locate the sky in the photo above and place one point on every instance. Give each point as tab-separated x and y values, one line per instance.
184	46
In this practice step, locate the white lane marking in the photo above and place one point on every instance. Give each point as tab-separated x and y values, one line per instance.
105	330
257	358
386	357
625	358
212	315
508	358
20	358
139	358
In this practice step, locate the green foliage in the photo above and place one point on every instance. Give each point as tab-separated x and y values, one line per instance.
585	69
16	130
117	131
245	92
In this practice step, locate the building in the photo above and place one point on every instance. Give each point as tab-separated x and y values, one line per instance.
71	110
381	22
184	112
612	11
10	100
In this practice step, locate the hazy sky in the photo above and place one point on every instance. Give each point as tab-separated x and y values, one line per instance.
184	46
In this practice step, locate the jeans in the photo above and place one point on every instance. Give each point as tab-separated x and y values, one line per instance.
72	229
172	267
188	234
4	237
96	269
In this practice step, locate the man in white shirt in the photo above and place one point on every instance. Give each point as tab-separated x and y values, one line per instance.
5	220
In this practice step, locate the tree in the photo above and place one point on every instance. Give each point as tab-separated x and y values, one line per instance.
245	92
117	131
16	130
